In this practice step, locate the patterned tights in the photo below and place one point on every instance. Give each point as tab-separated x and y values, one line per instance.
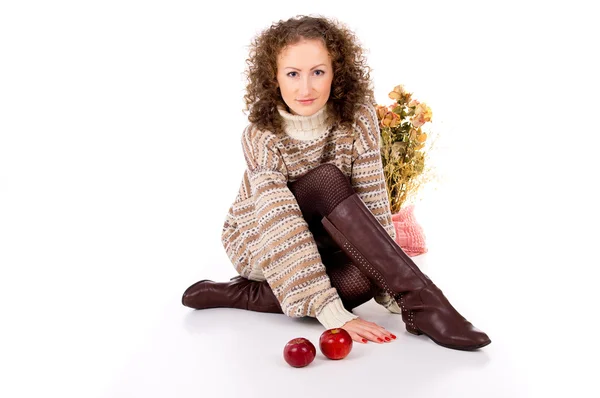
318	192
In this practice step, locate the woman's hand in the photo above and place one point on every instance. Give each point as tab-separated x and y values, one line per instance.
361	331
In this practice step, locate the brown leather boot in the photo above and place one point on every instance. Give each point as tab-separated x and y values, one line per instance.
239	292
425	309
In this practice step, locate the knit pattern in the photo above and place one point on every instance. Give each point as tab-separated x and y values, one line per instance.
265	235
409	234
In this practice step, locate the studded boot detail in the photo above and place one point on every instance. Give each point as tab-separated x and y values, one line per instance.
425	309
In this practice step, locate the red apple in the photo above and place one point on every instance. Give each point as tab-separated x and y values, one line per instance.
299	352
335	343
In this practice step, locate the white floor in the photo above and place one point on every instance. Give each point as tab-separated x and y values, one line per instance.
115	326
235	353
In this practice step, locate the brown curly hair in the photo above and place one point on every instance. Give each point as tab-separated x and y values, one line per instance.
351	85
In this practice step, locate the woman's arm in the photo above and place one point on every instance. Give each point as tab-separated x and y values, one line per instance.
287	254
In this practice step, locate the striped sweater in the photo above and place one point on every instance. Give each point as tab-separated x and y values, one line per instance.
264	233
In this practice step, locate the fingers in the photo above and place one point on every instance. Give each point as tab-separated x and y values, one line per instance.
376	337
376	333
356	337
361	330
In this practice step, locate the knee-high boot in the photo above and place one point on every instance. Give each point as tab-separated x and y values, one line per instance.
239	292
425	309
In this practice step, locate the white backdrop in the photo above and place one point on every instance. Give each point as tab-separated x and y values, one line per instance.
120	153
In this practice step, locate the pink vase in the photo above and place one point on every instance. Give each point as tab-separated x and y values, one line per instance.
409	234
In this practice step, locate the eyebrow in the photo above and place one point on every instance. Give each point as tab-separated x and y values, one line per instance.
291	67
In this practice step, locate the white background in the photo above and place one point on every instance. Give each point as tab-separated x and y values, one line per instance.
120	153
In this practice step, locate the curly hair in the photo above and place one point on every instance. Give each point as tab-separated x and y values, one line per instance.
351	85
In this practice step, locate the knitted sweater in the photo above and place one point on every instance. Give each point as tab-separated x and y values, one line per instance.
264	233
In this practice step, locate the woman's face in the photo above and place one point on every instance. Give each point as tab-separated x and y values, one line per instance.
304	72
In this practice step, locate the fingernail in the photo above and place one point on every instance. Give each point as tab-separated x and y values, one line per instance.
393	336
379	339
364	340
388	339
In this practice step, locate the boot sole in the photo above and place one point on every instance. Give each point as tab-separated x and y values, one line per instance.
461	348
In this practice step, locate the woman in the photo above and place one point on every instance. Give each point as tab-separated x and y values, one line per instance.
310	231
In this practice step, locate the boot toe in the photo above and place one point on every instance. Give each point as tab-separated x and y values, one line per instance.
473	340
480	339
192	292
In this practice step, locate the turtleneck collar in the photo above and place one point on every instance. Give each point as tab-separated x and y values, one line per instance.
304	128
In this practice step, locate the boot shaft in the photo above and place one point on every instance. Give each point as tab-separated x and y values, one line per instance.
372	248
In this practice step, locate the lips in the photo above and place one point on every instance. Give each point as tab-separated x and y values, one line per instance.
308	101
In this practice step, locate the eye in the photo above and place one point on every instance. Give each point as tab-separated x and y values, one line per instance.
318	70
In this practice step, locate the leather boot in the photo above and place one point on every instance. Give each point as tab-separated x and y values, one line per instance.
425	309
239	292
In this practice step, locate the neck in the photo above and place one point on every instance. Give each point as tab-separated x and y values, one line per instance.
304	128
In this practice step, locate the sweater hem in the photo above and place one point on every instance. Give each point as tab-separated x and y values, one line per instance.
334	315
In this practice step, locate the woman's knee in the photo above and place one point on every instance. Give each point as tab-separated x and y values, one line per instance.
328	168
320	190
330	173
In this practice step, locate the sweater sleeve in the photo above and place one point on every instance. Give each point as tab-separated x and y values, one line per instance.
368	181
287	254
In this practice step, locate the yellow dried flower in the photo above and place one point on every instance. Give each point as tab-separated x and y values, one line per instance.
413	134
403	146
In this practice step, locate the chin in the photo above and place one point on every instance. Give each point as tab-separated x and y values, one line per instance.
306	110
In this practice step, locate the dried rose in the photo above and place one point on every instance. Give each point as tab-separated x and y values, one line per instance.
396	120
381	111
397	92
422	115
390	119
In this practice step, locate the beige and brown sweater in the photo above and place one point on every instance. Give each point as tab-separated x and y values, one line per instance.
264	233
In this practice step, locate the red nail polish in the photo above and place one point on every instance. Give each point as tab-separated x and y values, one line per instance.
379	339
393	336
364	340
387	339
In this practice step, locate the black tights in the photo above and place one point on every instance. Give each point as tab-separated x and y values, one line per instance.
318	192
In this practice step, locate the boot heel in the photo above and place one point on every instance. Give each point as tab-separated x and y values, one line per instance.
411	330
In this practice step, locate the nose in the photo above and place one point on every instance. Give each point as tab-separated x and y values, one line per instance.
305	87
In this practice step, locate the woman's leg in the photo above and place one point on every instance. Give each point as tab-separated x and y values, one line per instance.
318	192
